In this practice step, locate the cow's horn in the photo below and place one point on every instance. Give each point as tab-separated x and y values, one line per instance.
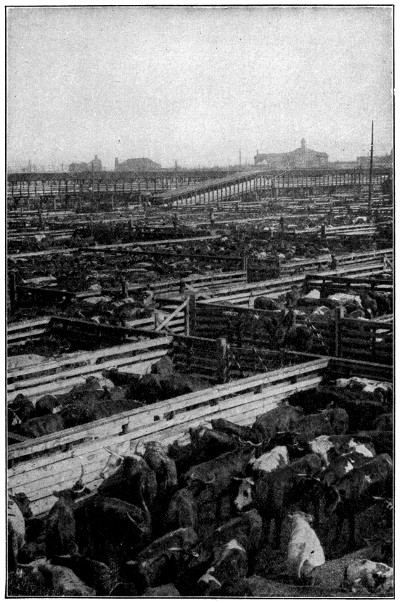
131	519
175	548
114	453
301	474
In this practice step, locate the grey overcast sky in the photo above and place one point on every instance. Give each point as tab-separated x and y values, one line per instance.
197	84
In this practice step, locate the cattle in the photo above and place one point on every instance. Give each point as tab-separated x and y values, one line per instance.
165	590
93	573
183	456
133	477
382	441
272	493
245	529
330	447
182	509
64	582
304	550
110	529
355	491
163	466
281	419
384	422
369	305
16	533
40	426
220	471
60	527
229	563
46	405
22	407
225	426
269	461
208	443
265	303
377	578
160	561
333	421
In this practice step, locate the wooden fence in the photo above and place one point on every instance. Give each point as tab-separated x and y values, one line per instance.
341	337
59	376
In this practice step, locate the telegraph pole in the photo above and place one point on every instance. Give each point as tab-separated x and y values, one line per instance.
370	171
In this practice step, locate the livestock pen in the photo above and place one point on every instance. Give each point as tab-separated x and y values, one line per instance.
45	464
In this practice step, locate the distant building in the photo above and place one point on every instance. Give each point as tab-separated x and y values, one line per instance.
299	158
378	160
140	164
86	167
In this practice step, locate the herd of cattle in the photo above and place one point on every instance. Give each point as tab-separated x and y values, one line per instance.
97	398
202	516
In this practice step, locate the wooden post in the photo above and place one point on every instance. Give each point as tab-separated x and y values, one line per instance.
223	360
339	314
190	323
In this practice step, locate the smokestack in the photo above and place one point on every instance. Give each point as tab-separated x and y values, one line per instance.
116	163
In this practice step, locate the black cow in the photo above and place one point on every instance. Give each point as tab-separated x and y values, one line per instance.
40	426
164	467
244	433
207	443
265	303
220	471
93	573
159	562
229	563
332	421
60	527
355	491
111	530
132	478
274	492
281	419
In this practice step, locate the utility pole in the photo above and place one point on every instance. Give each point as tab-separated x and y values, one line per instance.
370	171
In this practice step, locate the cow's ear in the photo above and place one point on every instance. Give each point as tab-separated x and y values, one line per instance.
250	481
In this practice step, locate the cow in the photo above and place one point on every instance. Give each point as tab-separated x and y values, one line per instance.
16	532
384	422
274	459
377	578
225	426
369	305
229	563
40	426
304	550
183	456
65	582
131	478
382	441
272	493
111	530
46	405
332	421
163	466
246	529
208	443
159	562
182	509
165	590
60	527
265	303
94	573
220	471
23	407
281	419
330	447
355	491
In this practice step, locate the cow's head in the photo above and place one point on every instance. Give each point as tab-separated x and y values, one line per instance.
244	496
77	490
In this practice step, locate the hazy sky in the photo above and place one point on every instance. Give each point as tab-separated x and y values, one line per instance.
197	84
